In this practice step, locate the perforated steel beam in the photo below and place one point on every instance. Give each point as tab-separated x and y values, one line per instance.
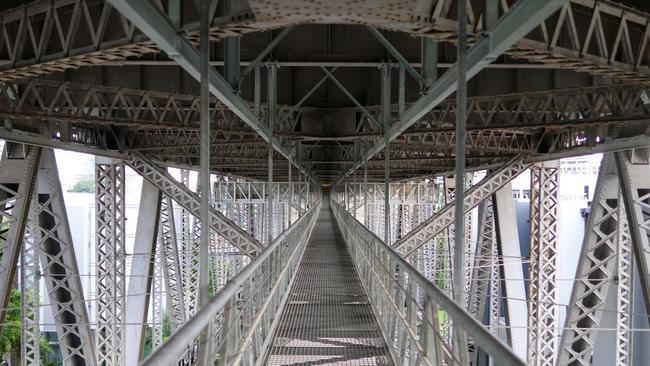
110	262
17	187
60	270
636	192
30	335
543	286
596	269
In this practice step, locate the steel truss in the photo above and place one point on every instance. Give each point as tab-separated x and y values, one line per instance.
543	267
410	322
484	286
190	201
246	309
600	38
110	262
445	217
170	265
30	336
59	268
18	180
605	260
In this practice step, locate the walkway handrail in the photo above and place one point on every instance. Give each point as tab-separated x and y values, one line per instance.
241	316
406	303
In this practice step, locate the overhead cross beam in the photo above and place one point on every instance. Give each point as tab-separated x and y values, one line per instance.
524	16
149	19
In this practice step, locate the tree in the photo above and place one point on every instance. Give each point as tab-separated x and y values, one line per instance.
83	186
10	345
167	331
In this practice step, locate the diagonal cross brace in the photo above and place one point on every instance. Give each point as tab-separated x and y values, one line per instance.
190	201
446	216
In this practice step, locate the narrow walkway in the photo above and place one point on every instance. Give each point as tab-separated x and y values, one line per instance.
327	319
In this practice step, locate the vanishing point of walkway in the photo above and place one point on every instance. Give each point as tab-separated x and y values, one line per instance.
327	319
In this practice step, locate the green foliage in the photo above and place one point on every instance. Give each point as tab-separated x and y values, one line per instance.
10	339
148	335
83	186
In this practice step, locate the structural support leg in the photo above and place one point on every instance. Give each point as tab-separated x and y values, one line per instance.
272	115
542	288
232	49
30	336
140	279
17	187
636	192
110	262
511	270
596	269
59	268
385	117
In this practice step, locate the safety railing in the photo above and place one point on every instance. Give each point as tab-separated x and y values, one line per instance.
240	318
407	305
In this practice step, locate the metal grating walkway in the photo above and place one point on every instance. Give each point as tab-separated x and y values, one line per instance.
327	319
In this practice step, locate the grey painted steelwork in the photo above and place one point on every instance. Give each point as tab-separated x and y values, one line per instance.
264	284
110	262
517	21
157	26
445	217
59	268
544	245
189	200
392	284
141	282
327	317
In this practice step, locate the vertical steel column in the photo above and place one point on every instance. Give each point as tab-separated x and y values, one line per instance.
429	58
366	211
257	92
110	263
460	348
624	293
59	268
189	231
231	51
542	288
204	173
272	115
290	199
513	288
30	335
354	186
385	118
156	297
401	94
142	263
